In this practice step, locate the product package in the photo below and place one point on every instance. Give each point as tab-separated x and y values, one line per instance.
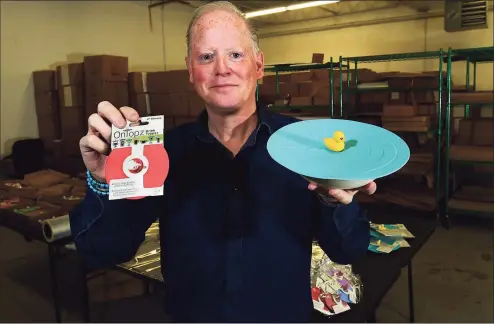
386	238
138	163
333	286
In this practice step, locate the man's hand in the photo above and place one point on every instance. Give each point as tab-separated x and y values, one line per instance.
343	196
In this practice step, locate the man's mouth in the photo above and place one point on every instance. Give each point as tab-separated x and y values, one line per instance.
224	85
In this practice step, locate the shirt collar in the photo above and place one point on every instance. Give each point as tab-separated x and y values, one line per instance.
203	133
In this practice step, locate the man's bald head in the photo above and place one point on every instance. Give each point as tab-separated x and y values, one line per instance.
221	6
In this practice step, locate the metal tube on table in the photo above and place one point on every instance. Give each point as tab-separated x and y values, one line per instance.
56	228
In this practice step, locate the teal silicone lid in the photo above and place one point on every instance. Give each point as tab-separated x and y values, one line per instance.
370	152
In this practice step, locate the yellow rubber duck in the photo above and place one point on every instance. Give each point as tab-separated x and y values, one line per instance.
335	143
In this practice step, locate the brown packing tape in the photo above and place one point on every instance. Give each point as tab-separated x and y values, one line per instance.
144	79
64	75
147	98
68	100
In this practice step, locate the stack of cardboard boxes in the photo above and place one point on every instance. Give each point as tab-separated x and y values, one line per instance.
414	108
172	95
70	81
105	79
46	104
139	97
65	99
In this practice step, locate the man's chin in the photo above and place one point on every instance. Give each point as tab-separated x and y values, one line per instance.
225	108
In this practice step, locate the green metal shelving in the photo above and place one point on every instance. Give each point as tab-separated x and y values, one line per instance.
439	55
470	56
300	67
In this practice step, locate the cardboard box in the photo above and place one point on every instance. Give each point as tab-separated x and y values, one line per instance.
138	82
414	127
71	149
267	89
301	101
313	89
73	123
71	74
427	109
71	96
49	127
299	77
44	81
483	132
140	102
363	76
46	103
179	105
400	110
166	82
160	104
170	105
477	132
282	78
196	105
106	67
97	90
317	58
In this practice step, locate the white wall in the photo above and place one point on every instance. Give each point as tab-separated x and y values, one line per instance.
372	39
37	35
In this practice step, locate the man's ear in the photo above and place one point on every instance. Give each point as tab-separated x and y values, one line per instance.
260	65
188	64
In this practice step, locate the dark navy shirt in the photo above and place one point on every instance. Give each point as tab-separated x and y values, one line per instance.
236	232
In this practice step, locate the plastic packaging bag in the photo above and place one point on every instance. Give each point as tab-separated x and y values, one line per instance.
333	286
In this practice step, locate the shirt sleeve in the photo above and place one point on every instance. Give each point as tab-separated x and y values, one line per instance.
343	231
109	232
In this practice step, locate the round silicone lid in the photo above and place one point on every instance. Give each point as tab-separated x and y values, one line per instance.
157	171
370	152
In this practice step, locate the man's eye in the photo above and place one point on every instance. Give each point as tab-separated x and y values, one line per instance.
206	57
236	56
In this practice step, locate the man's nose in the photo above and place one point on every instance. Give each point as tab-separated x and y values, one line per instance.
222	66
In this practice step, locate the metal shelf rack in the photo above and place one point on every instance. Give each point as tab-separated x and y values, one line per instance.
300	67
439	55
473	56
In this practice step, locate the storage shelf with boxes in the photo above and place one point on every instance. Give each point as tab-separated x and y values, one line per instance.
409	104
299	89
469	140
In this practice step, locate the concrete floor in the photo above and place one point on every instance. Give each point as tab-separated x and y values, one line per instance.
453	282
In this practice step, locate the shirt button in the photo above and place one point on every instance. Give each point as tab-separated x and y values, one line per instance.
235	189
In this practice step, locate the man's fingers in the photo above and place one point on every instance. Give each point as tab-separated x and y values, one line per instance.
369	189
92	142
109	112
130	114
316	188
342	196
97	125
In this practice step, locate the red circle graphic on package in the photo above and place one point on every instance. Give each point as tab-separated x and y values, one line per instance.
135	166
150	163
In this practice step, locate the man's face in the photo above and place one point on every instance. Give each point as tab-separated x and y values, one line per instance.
222	64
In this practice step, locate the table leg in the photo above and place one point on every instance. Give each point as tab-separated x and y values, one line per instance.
411	292
85	294
52	251
371	318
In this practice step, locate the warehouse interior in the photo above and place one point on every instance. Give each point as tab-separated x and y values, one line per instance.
342	59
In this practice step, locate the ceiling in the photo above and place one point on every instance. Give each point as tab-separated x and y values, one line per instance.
344	7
